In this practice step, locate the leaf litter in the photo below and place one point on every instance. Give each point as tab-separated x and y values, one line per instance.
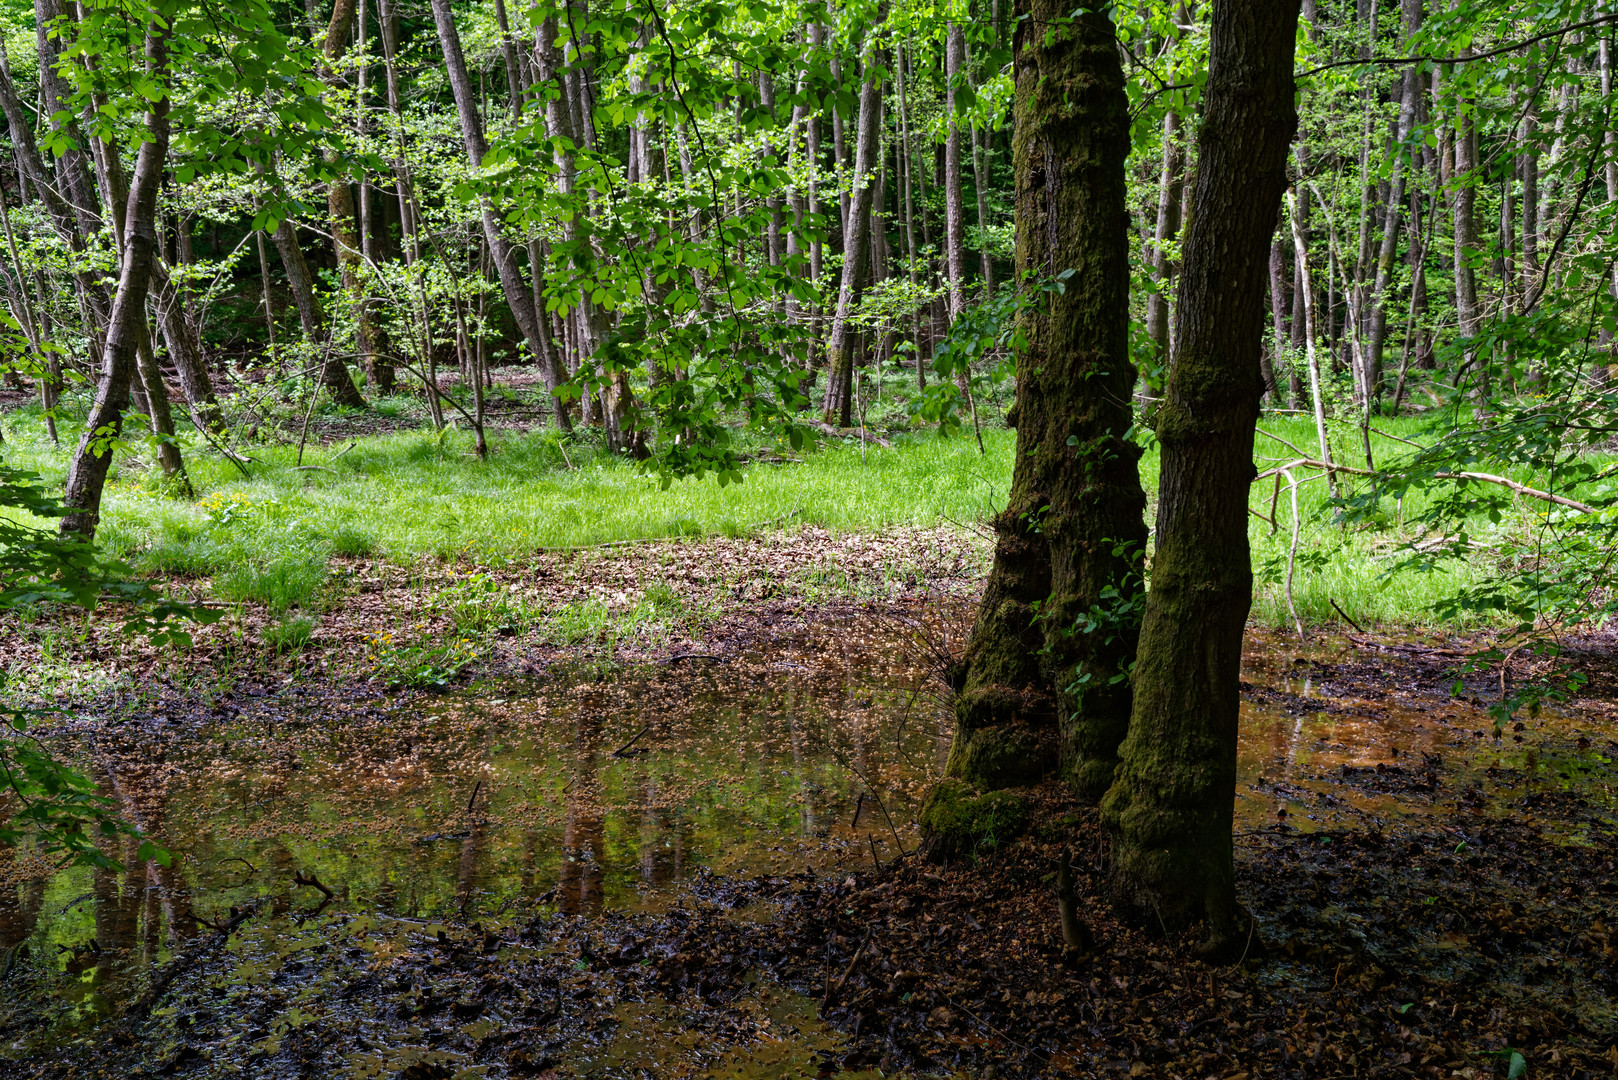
610	862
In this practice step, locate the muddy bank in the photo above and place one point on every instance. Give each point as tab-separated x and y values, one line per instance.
1431	900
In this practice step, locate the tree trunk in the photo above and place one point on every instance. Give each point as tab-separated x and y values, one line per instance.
838	405
340	210
1390	223
1468	314
907	156
519	298
1168	230
185	351
152	398
1610	173
87	475
1037	690
1169	813
954	214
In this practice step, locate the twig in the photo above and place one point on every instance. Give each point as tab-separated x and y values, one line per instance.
620	751
877	859
883	807
859	804
475	789
1344	614
837	986
302	880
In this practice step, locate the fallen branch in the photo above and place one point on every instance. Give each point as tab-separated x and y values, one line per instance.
1344	614
863	435
301	880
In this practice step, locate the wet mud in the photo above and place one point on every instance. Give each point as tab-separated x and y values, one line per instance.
709	867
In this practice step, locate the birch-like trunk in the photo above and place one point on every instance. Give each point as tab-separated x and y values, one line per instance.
87	474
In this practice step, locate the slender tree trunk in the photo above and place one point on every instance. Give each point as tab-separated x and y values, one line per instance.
1410	92
907	156
1610	173
1036	690
87	474
519	298
1469	315
1168	230
152	398
954	214
341	217
185	351
1169	813
838	405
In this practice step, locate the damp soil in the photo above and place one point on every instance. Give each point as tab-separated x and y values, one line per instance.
708	866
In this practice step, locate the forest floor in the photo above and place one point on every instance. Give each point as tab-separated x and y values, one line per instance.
1432	900
606	810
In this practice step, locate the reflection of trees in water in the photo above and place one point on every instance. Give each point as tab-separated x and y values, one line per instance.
807	788
19	903
665	835
579	890
466	870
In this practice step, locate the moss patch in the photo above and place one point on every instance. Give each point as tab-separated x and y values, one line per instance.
961	823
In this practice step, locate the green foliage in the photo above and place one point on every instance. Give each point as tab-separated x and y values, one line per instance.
290	635
479	606
291	581
59	809
419	666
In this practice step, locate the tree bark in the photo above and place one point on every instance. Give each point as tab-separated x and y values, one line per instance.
185	352
152	398
1410	92
1168	230
1037	690
87	475
1169	813
1469	315
837	407
954	213
518	296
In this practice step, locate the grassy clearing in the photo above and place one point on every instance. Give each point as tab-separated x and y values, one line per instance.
268	539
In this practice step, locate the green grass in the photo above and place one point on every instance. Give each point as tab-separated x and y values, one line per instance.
268	538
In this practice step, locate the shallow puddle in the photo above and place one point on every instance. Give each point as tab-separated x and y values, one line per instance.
589	791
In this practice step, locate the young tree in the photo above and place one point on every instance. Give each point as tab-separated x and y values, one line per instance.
1169	810
1041	684
126	324
838	405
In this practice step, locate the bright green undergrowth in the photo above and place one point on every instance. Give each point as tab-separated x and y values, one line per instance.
268	539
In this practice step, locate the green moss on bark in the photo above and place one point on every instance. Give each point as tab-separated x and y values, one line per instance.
1048	646
960	822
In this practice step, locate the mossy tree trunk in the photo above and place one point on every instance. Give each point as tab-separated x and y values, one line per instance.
1169	811
1041	686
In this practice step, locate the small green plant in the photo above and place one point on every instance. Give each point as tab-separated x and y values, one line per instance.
419	667
352	542
479	606
572	624
290	634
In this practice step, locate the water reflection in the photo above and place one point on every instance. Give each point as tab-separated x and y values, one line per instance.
591	793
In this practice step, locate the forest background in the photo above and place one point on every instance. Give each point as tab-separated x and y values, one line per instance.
669	244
